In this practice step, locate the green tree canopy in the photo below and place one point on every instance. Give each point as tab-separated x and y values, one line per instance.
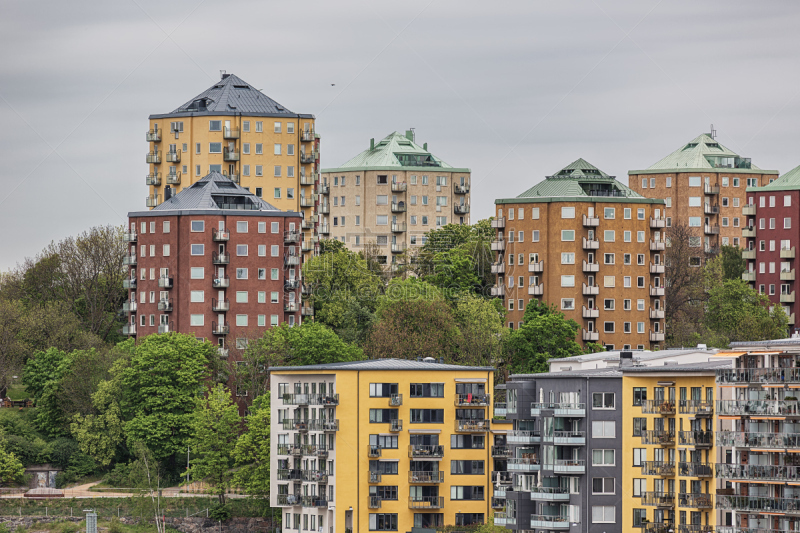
738	312
253	448
733	265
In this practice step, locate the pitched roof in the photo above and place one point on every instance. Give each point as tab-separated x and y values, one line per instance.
383	364
231	96
579	179
788	182
395	151
704	153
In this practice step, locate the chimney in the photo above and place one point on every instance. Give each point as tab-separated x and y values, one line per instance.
223	74
625	358
372	144
167	192
410	135
425	147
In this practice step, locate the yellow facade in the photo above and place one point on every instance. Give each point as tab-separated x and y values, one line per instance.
662	476
352	443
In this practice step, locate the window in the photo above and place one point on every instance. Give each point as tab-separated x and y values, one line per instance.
639	393
609	281
241	297
567	212
603	514
639	487
534	213
695	201
197	296
198	226
603	429
695	222
608	213
259	126
608	235
196	272
427	390
241	273
608	304
567	281
602	457
566	235
626	236
567	304
608	327
639	456
603	400
165	250
535	235
382	521
214	125
277	171
241	226
639	425
695	181
607	259
787	223
241	249
603	485
197	249
640	515
567	258
196	320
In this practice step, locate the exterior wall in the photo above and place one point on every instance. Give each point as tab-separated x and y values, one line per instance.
196	130
779	285
518	282
401	233
352	443
672	483
716	214
678	356
151	259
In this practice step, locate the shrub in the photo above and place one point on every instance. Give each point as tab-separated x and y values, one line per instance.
220	512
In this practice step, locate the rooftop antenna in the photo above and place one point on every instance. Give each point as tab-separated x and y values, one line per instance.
713	132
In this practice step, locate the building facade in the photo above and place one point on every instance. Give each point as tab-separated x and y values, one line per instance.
703	184
214	261
771	236
582	241
391	195
234	129
380	445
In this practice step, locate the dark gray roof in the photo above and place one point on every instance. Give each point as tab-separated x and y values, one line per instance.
588	373
215	192
382	364
776	342
706	366
231	96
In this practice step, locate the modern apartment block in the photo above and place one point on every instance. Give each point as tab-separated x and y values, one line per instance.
214	261
582	241
771	236
380	445
760	473
564	468
703	184
668	447
392	194
236	130
612	358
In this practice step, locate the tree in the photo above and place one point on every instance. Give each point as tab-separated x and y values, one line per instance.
11	469
742	314
215	428
408	329
101	435
12	349
480	323
733	265
684	279
252	450
457	255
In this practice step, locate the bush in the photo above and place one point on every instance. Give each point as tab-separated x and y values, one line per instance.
118	477
29	451
115	526
62	451
220	512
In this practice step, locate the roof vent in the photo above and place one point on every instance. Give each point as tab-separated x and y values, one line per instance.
625	358
372	144
670	362
167	193
702	347
223	74
429	360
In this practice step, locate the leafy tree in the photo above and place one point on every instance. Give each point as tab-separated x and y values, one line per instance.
12	348
11	469
454	270
684	301
480	323
733	265
215	429
327	246
101	435
742	314
252	450
457	256
408	329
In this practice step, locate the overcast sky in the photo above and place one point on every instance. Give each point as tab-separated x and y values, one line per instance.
512	90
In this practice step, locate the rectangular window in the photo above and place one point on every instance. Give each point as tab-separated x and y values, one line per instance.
602	457
608	213
567	281
604	514
567	212
608	235
197	296
196	272
603	400
197	249
603	429
566	235
196	320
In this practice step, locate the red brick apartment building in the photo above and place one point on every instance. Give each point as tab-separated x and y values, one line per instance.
214	261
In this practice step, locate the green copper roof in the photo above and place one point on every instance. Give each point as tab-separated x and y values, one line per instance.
788	182
704	153
396	151
577	179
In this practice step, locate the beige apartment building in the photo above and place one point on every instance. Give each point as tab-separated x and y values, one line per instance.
392	194
582	241
236	130
703	185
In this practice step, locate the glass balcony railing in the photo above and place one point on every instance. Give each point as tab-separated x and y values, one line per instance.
696	500
758	407
415	476
758	439
546	521
658	436
472	400
658	499
696	407
423	451
758	504
549	494
759	375
523	464
658	468
658	407
756	473
690	469
698	439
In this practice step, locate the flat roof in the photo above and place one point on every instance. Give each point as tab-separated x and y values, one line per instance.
383	364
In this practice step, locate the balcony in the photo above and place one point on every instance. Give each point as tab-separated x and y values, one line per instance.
165	328
461	189
296	424
230	133
523	464
291	260
165	283
498	268
569	466
314	501
291	284
398	227
153	136
324	424
174	178
374	477
758	408
499	222
500	410
698	528
658	468
751	254
658	222
154	178
291	307
289	500
688	469
536	290
748	232
502	477
130	236
472	400
590	244
472	426
426	502
398	207
656	246
787	298
497	290
757	473
307	224
307	311
324	189
547	521
220	329
591	336
290	475
220	235
661	500
549	494
656	291
787	275
656	314
659	527
399	186
537	266
418	477
786	253
230	155
165	305
709	209
710	189
524	437
421	451
569	438
749	276
504	519
306	201
129	329
658	407
697	438
749	210
758	504
501	452
591	222
498	245
129	306
590	313
315	476
290	449
307	135
323	229
324	208
461	209
656	268
656	336
591	290
659	437
316	450
395	425
698	408
591	267
129	259
153	157
221	283
233	177
570	410
307	157
151	201
498	502
398	248
290	237
307	180
172	157
129	283
220	259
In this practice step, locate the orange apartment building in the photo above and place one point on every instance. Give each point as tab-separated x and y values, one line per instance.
585	243
703	185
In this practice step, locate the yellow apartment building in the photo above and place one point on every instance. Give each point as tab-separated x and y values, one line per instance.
381	445
235	129
668	447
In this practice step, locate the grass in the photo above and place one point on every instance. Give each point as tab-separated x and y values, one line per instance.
17	392
112	526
